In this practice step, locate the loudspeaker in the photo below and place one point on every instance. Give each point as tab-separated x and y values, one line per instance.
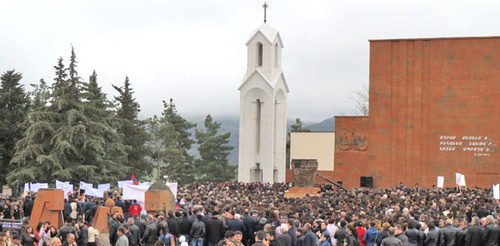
366	182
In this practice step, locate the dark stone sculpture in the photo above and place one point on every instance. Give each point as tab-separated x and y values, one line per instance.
304	171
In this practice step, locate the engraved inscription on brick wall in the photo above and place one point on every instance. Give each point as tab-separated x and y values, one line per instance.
481	146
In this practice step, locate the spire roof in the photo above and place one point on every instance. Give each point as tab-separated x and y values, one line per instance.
268	31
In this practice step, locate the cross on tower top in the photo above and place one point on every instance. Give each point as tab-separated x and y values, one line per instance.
265	8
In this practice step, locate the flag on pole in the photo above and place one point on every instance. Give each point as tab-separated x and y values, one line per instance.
134	181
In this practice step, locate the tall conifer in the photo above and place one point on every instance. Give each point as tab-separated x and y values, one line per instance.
70	138
213	165
14	107
172	141
132	131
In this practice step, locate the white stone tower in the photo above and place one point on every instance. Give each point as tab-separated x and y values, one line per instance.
263	93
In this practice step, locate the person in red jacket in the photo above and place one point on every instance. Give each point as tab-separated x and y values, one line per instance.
135	208
361	231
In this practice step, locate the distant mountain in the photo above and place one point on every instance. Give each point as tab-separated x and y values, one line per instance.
327	125
231	124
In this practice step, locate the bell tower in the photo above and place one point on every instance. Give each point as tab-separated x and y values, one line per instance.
263	93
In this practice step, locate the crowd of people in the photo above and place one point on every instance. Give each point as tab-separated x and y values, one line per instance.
257	214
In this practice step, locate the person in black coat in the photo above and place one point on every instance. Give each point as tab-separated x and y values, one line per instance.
474	233
139	222
198	231
383	234
67	210
67	229
310	239
16	213
186	224
83	233
151	233
432	234
447	236
214	229
236	224
413	234
250	223
464	227
283	238
292	231
341	234
174	225
482	211
28	206
134	230
260	239
119	203
7	210
491	234
300	237
113	231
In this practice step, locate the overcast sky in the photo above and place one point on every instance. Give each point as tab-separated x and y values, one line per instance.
194	50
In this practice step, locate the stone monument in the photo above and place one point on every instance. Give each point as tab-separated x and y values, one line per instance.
101	215
48	206
304	172
159	197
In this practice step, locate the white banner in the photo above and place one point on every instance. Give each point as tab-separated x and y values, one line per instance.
93	192
144	183
104	187
84	186
440	182
35	187
134	192
27	187
66	189
124	182
173	188
60	184
496	191
458	176
462	180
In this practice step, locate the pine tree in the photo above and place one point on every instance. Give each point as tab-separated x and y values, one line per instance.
40	94
36	158
65	140
14	108
104	148
213	148
175	139
132	131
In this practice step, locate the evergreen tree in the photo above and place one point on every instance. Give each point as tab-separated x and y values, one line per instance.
213	148
132	131
14	108
36	158
174	136
65	140
105	151
40	94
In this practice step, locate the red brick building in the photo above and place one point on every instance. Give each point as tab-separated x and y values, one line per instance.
434	111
